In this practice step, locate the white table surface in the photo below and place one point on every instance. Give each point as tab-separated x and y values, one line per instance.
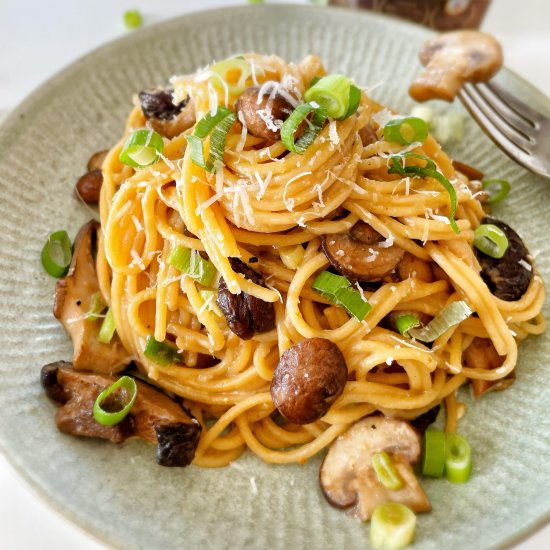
43	36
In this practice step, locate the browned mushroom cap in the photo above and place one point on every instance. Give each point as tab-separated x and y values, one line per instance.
73	296
246	315
348	479
154	417
96	160
307	380
453	58
263	115
508	277
481	354
165	117
361	254
88	186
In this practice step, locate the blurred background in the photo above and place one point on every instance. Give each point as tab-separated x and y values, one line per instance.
40	37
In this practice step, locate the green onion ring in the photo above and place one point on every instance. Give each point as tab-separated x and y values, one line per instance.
498	189
335	95
314	127
491	240
56	254
107	418
433	453
405	322
161	353
142	148
448	317
406	130
107	329
385	471
392	526
458	459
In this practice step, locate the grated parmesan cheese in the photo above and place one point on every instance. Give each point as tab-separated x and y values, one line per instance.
525	265
333	133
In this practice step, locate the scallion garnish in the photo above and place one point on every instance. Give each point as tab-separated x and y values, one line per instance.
107	329
458	459
142	148
232	73
498	189
406	130
161	353
385	471
314	126
56	254
337	290
110	418
491	240
428	170
405	322
433	453
97	307
392	526
448	317
217	127
336	94
193	264
133	19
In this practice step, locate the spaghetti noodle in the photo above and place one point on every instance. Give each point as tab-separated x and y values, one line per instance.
275	206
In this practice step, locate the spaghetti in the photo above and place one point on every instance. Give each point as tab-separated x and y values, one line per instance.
275	206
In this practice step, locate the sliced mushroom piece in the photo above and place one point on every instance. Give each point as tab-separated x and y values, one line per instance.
96	160
88	186
368	134
166	117
508	277
481	354
245	314
453	58
73	296
362	254
263	115
348	479
154	417
309	377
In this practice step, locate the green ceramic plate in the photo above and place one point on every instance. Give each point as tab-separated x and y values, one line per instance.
117	492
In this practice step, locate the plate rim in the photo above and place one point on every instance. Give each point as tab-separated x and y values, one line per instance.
19	112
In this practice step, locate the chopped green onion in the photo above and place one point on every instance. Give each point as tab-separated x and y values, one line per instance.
224	72
448	317
314	127
107	329
458	459
491	240
448	128
133	19
392	526
425	113
385	471
108	418
336	94
429	170
433	453
161	353
56	254
97	307
405	322
217	127
142	148
498	189
337	290
191	263
406	130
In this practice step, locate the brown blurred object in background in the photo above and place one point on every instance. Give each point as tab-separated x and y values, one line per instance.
444	15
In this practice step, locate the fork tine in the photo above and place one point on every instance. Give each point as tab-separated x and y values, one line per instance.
512	150
523	110
517	121
495	118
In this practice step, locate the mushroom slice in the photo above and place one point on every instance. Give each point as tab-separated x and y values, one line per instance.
481	354
453	58
73	296
362	254
348	479
154	417
508	277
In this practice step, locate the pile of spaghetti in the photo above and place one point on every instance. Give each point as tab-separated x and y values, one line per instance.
276	210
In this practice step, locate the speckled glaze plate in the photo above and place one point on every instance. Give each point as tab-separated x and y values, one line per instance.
118	493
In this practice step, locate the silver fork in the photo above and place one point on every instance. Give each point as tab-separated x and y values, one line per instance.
519	130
